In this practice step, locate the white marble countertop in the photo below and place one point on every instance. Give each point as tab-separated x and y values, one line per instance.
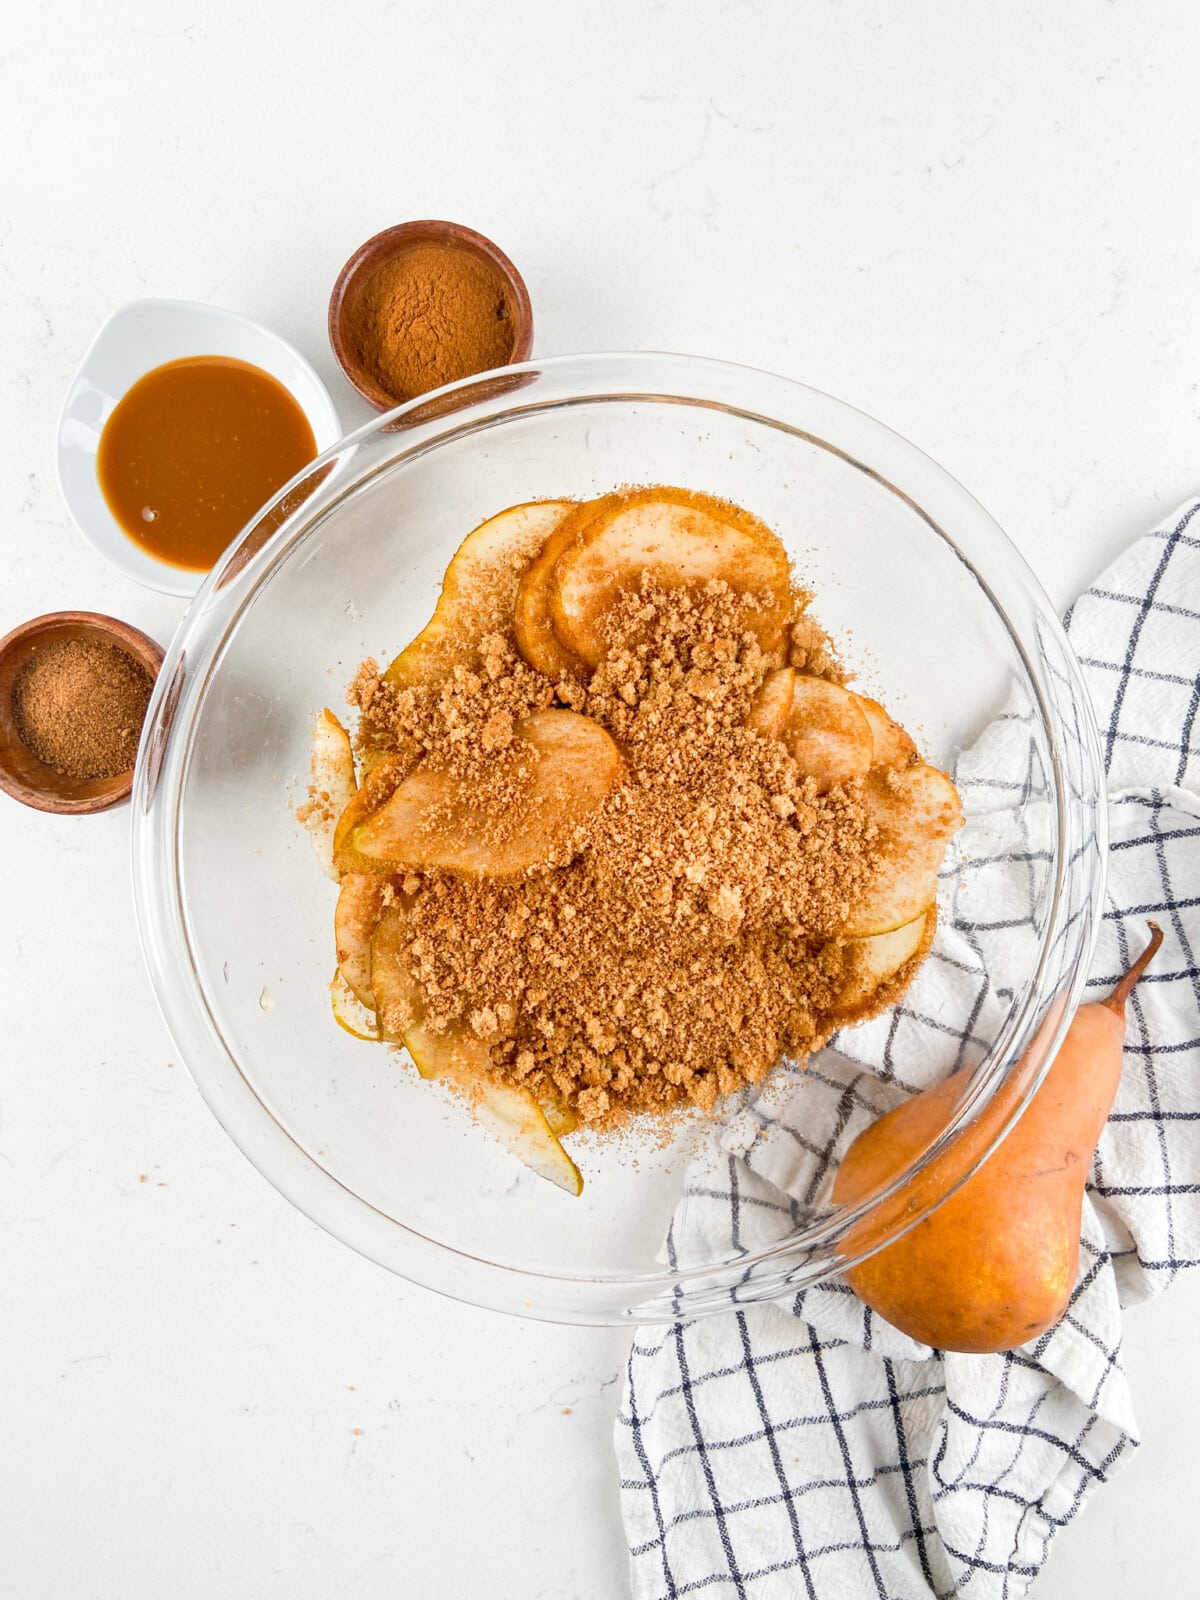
976	222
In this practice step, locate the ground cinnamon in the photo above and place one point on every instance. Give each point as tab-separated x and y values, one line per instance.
79	705
431	315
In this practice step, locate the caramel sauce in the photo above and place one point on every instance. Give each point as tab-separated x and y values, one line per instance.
193	450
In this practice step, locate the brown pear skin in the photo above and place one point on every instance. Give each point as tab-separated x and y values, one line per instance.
994	1266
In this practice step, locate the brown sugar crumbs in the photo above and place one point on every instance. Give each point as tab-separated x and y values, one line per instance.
689	937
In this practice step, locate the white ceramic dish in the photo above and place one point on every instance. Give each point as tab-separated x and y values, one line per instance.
134	340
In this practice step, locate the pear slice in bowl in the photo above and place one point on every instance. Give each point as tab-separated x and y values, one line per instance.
772	705
520	813
678	539
533	616
479	591
891	744
459	1058
377	787
873	962
916	812
331	786
360	905
350	1014
827	733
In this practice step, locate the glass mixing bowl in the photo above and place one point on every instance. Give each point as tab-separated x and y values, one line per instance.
934	608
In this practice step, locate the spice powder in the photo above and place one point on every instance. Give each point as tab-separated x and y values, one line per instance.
79	705
430	315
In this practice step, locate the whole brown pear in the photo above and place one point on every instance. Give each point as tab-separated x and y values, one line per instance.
995	1264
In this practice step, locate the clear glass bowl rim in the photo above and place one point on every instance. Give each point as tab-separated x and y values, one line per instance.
473	405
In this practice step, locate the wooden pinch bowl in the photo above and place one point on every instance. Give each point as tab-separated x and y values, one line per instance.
22	775
369	257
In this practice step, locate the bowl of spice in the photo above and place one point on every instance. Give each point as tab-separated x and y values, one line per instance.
74	688
425	304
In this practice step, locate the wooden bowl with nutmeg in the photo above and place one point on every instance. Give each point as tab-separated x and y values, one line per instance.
74	688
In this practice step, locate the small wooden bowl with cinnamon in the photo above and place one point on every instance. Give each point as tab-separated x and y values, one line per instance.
424	304
74	686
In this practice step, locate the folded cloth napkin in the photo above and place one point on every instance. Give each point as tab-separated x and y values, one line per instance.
807	1448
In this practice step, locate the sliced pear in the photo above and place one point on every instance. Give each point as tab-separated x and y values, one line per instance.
891	745
916	811
559	1116
456	1052
459	1058
871	963
331	785
510	1114
773	703
393	984
478	591
533	620
827	733
368	760
358	910
522	814
681	540
514	1117
378	786
350	1013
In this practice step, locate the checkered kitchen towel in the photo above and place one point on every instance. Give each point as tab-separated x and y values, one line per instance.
804	1447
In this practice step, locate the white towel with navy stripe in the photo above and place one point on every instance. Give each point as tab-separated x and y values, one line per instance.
805	1448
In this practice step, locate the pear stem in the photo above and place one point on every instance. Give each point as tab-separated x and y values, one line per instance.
1116	1000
